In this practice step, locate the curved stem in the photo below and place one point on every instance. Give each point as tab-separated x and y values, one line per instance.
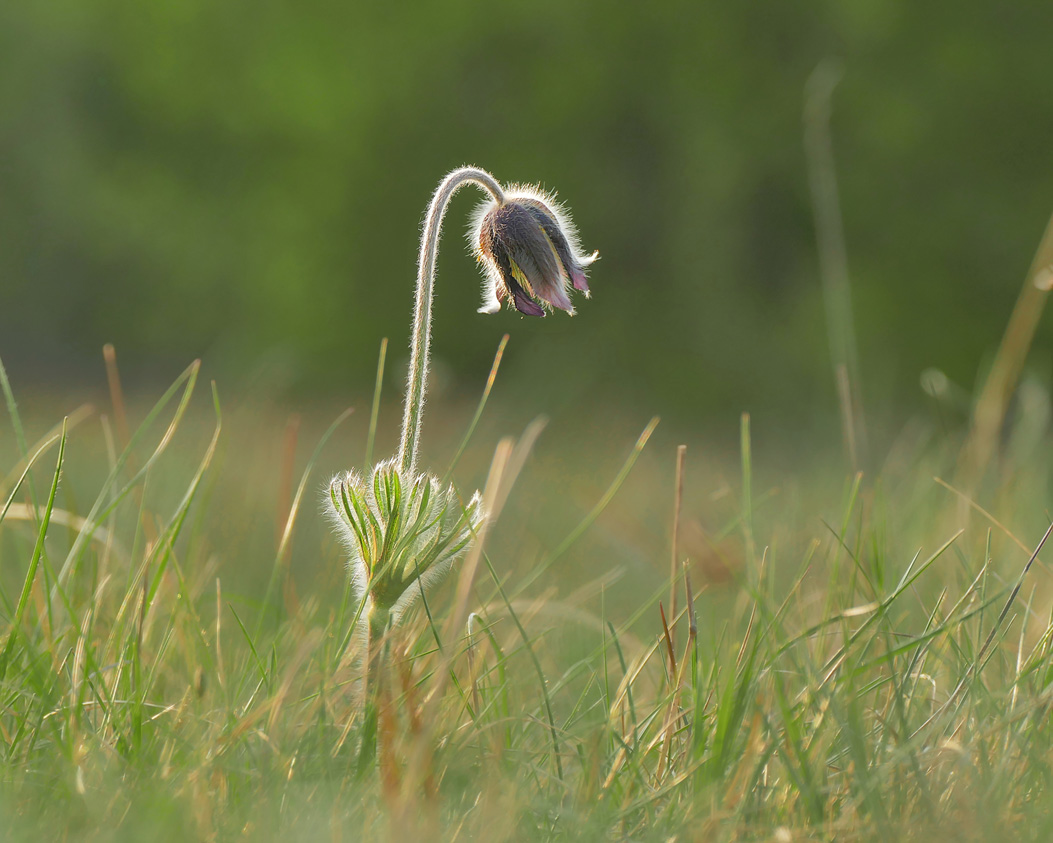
420	344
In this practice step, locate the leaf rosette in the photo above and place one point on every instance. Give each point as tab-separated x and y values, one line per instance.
402	532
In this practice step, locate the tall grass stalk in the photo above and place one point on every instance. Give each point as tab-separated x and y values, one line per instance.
833	260
993	401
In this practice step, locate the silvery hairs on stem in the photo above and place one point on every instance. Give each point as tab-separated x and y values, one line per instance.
404	528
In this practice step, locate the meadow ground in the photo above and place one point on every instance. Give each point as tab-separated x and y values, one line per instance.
179	659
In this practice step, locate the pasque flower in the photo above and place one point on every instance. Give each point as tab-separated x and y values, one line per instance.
404	528
529	248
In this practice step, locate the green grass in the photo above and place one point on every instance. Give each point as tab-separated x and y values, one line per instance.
179	659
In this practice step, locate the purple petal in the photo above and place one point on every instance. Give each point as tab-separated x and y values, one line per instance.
524	304
549	286
509	287
571	265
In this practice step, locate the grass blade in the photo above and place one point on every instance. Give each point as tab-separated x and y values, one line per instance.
31	573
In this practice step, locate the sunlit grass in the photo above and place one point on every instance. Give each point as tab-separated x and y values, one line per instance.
176	664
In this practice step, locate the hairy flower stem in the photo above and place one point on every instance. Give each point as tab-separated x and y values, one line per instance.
378	620
421	341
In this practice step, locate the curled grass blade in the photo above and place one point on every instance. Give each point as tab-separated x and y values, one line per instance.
277	568
100	509
30	461
478	410
595	512
38	549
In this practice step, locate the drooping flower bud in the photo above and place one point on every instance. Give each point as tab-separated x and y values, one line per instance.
400	531
529	248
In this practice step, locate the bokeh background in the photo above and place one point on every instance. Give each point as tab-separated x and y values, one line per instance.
244	182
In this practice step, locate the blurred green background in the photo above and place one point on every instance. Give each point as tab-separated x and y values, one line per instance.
245	182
